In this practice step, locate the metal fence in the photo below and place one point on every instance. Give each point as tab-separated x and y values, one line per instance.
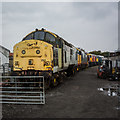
22	90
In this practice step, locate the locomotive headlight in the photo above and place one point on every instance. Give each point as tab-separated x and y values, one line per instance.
38	51
23	51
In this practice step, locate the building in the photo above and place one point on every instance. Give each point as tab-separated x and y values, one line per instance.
4	55
4	60
115	55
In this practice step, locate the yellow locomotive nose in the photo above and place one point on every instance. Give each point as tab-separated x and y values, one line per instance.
33	55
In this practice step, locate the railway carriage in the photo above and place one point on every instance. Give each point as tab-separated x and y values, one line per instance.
99	59
94	59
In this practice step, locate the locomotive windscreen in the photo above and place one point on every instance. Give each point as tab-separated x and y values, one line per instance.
40	35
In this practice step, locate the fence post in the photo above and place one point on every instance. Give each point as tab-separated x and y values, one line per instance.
3	70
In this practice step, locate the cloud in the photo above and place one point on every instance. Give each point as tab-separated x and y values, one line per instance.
92	26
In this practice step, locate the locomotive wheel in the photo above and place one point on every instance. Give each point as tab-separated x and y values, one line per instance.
69	73
61	78
78	69
54	82
73	71
47	83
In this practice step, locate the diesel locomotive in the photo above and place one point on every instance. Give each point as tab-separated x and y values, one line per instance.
44	53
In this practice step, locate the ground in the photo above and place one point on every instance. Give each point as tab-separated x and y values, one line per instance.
77	97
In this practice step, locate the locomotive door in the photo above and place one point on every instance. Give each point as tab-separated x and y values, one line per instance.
55	56
62	55
60	52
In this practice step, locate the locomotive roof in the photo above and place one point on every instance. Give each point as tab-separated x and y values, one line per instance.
54	34
40	30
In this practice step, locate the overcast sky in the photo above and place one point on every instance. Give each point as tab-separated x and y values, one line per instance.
89	25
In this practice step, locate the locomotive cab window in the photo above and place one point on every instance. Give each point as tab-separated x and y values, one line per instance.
30	36
49	38
39	35
55	56
82	55
79	52
65	57
76	55
71	53
88	58
59	42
